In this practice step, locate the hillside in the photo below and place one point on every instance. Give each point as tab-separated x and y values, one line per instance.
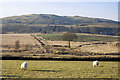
53	19
47	23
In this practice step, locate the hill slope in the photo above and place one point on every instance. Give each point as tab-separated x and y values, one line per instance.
47	23
53	19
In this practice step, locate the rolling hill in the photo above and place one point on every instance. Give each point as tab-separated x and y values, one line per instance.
53	19
48	23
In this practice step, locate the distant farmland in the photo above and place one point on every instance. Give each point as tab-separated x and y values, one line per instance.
27	42
38	43
85	42
10	39
81	37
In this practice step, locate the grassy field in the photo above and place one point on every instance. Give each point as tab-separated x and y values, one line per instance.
85	43
81	38
26	41
10	39
59	69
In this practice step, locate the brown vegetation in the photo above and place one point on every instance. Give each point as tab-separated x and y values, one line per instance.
26	43
35	46
24	56
17	45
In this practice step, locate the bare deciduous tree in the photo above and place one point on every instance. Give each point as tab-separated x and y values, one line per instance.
17	45
69	36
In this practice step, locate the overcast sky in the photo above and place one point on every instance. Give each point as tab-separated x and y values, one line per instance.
105	9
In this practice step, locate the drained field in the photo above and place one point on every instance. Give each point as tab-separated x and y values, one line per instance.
53	43
98	44
26	42
59	69
9	39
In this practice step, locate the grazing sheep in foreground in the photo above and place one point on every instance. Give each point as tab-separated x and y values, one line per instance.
24	65
95	63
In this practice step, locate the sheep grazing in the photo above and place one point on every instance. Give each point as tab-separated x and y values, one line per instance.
95	63
24	65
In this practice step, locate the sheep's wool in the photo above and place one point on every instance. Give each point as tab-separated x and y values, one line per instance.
24	65
95	63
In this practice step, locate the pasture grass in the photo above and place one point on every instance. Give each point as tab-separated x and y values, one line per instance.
59	69
81	38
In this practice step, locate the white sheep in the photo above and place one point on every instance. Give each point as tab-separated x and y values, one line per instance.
24	65
95	63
